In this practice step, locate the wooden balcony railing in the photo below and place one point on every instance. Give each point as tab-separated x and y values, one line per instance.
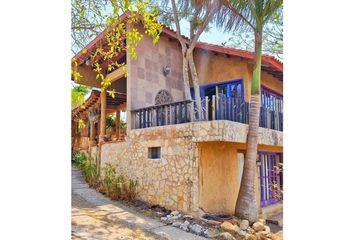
164	114
216	107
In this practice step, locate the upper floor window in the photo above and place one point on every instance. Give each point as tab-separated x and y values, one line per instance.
271	100
233	88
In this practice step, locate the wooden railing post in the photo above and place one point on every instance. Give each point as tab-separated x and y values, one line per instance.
175	114
206	108
171	115
166	117
217	107
192	111
213	107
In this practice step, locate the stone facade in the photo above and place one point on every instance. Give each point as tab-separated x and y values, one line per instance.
169	180
146	78
172	180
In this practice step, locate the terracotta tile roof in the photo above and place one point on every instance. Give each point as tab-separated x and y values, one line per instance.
120	98
272	61
267	60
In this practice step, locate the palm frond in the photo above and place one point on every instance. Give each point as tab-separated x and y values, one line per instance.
241	14
234	15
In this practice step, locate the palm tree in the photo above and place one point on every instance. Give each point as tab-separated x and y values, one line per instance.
252	14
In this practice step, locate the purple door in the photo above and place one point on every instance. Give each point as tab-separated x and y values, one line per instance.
271	180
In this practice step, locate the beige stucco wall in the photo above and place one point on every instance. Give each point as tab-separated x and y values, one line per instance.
218	177
214	68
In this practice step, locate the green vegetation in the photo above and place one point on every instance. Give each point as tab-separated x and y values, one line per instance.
78	93
118	186
111	122
115	186
89	169
78	158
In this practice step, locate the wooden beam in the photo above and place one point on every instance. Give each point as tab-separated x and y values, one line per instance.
103	116
105	64
116	75
88	76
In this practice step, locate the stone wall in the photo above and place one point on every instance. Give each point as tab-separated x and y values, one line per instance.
172	180
168	181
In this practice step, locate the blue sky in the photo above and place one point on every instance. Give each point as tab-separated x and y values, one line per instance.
213	36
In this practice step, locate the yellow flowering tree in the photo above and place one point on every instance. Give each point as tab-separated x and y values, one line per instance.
121	34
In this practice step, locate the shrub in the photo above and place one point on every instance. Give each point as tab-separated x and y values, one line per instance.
116	186
78	158
130	189
90	172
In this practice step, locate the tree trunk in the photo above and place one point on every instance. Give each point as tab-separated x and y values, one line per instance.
187	92
246	205
195	82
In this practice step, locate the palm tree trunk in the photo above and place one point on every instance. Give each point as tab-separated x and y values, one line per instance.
246	205
195	82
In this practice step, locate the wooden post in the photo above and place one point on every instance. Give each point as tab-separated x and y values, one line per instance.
180	113
213	103
185	105
166	117
192	111
206	108
103	115
175	114
144	118
171	116
117	124
217	108
92	133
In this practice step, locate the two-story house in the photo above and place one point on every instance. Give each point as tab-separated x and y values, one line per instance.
181	163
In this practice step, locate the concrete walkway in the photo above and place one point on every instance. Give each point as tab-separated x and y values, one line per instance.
96	217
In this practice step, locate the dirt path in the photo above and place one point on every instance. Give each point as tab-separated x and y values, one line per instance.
95	217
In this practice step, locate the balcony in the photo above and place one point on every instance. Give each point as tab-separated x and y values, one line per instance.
216	107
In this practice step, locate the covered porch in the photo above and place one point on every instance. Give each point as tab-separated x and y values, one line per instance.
102	111
95	128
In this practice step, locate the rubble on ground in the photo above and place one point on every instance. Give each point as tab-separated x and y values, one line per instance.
233	229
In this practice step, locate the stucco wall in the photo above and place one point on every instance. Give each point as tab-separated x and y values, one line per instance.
220	173
218	177
214	68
